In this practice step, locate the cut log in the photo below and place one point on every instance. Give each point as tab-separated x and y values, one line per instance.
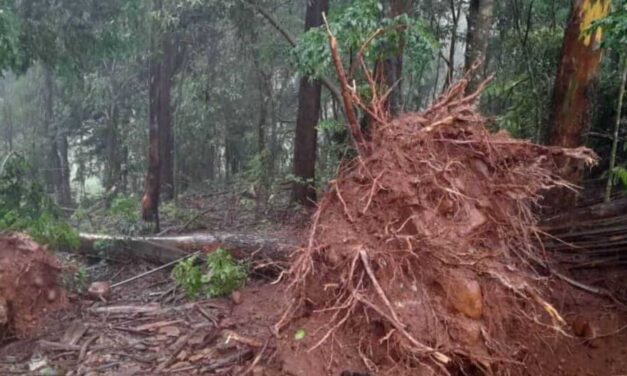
166	249
584	214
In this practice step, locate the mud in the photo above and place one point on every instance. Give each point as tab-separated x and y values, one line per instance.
29	285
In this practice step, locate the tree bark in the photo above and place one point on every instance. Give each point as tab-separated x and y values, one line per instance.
58	174
574	89
165	249
62	174
305	141
166	125
150	200
113	164
577	74
455	13
479	26
393	66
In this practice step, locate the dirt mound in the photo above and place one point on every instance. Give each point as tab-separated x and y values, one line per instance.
422	257
28	285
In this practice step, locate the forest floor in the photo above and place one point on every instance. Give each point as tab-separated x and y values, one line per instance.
149	327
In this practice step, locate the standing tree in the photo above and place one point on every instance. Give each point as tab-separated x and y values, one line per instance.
477	38
157	97
394	64
576	76
305	140
614	27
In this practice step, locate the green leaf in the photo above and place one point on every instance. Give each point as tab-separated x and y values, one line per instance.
300	335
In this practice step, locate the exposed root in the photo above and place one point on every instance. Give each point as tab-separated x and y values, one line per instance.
428	239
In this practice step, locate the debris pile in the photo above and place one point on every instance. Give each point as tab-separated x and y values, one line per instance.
423	254
29	289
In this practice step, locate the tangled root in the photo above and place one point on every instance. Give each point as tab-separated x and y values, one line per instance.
424	250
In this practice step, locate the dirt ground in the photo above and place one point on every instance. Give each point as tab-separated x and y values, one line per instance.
148	328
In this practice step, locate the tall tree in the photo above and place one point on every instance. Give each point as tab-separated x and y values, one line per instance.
577	75
157	97
166	71
58	164
477	38
394	64
305	140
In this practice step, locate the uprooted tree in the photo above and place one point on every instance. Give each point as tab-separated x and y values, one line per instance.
423	251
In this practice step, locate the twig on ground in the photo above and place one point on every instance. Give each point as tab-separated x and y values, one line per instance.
85	347
165	266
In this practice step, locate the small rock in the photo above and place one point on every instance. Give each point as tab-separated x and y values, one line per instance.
465	296
100	290
38	281
52	295
236	297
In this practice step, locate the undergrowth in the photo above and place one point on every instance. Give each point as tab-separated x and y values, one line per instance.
25	207
218	276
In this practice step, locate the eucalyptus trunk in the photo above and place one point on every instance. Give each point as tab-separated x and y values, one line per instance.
150	200
480	15
305	141
575	83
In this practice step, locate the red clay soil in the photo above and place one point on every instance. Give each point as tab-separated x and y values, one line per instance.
423	256
120	349
29	287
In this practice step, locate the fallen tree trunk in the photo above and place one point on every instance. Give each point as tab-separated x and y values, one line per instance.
161	250
585	214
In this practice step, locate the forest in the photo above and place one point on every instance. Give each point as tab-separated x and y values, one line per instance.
313	187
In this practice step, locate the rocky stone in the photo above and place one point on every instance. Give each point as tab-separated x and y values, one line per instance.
465	297
100	290
236	297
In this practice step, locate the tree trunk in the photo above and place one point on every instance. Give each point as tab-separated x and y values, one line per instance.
49	151
150	200
477	38
58	174
113	165
577	74
165	119
8	131
619	107
393	66
574	89
450	73
62	173
305	141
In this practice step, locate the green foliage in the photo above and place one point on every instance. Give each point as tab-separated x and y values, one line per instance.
123	216
126	208
189	276
76	280
10	53
620	176
353	26
172	211
223	275
25	207
614	27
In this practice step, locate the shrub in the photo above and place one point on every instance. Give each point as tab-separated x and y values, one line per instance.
223	275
